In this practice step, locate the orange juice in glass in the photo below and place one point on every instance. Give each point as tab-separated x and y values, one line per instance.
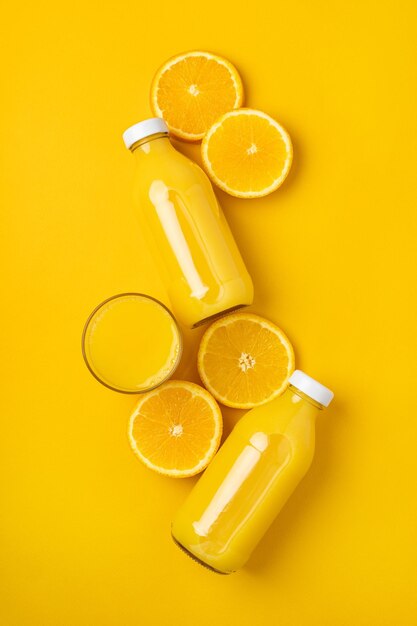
131	343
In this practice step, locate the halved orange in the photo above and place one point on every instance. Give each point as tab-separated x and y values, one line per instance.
176	429
247	153
191	90
245	360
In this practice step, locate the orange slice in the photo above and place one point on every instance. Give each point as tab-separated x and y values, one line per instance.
176	429
247	153
244	360
191	90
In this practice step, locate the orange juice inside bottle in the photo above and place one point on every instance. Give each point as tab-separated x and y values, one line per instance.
192	243
131	343
251	477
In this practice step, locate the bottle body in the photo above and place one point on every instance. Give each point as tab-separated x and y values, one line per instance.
200	263
248	482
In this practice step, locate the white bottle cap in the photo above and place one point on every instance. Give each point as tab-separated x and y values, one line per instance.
144	129
314	390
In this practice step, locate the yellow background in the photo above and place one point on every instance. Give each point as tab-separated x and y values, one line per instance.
84	526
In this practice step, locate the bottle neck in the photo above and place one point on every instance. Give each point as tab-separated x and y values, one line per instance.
150	145
307	399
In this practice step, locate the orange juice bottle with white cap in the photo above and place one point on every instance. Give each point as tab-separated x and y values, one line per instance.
251	477
202	267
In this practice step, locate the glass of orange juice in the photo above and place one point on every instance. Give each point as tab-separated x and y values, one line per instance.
131	343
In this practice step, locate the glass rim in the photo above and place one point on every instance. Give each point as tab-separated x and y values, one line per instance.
91	317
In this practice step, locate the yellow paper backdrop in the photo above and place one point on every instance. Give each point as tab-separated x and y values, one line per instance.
85	528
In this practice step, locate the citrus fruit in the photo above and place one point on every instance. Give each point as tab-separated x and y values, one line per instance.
176	428
247	153
245	360
191	90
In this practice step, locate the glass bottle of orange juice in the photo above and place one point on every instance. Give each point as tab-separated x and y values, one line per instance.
251	477
203	270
